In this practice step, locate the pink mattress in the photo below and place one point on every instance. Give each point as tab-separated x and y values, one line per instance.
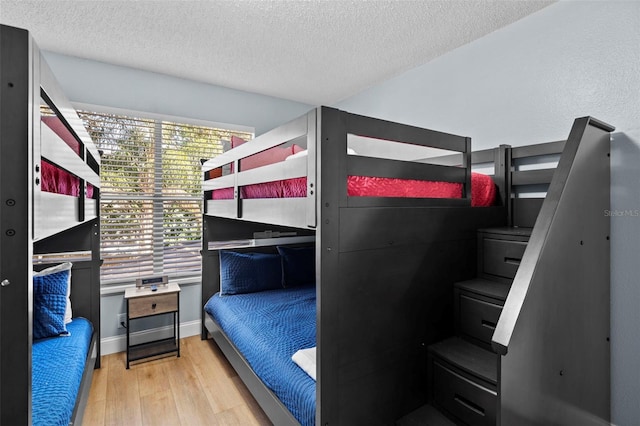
483	190
55	179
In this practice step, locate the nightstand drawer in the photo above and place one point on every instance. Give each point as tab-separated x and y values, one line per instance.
152	305
467	400
478	318
502	257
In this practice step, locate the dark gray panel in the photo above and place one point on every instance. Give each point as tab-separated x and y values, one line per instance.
532	177
393	301
384	227
525	211
16	104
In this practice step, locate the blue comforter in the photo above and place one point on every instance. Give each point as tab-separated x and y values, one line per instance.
57	366
268	327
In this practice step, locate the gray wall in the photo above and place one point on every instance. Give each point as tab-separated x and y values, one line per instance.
525	84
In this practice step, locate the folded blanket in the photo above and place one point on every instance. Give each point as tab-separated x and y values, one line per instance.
306	359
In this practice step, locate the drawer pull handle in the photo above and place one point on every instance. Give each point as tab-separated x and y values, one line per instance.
469	405
489	324
153	306
512	261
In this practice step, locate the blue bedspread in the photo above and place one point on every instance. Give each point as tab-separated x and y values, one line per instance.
268	327
57	366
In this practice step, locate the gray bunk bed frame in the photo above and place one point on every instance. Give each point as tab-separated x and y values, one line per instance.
374	323
36	222
383	265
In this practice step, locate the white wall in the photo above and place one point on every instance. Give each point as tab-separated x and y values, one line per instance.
525	84
99	83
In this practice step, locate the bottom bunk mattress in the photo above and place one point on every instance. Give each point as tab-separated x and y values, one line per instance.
57	367
268	327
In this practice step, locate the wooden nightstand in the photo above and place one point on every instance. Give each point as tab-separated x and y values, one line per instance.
142	303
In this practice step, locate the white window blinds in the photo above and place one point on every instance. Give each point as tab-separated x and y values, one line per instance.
151	198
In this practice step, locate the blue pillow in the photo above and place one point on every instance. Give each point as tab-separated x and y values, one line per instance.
249	272
50	297
298	265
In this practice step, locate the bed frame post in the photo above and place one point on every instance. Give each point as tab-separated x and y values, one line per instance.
466	163
329	202
16	132
96	263
508	189
502	175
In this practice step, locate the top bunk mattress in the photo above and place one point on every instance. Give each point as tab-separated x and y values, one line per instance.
268	327
57	367
483	189
55	179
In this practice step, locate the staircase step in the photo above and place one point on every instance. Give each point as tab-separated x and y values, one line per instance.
487	288
468	357
508	230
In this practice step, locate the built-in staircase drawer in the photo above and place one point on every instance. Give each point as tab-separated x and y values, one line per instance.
469	401
502	257
477	318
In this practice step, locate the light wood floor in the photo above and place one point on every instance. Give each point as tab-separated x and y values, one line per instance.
199	388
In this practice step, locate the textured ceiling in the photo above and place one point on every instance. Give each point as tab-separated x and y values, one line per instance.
315	51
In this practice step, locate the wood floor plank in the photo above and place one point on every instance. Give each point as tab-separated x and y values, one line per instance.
99	382
251	403
152	377
240	415
95	413
160	409
199	388
217	383
123	398
192	403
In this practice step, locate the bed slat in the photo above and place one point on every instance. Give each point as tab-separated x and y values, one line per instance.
378	167
532	177
387	130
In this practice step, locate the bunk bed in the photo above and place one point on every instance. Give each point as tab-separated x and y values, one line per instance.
373	323
395	342
49	244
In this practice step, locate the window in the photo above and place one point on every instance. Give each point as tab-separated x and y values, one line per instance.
151	198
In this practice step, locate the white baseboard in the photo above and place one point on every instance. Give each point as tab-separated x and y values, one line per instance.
115	344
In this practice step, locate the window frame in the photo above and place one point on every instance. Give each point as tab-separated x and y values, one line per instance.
158	119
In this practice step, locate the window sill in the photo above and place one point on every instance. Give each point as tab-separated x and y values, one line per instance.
115	288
